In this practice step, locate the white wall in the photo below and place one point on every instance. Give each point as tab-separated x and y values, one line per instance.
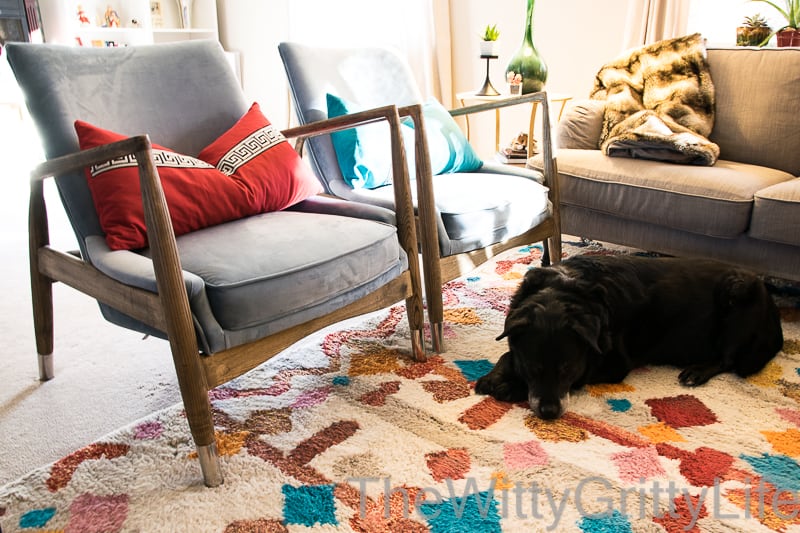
717	19
575	37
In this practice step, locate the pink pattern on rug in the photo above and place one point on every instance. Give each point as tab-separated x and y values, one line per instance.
312	398
97	514
148	430
791	415
638	463
522	455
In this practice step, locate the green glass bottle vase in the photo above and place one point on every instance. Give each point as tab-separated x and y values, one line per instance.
526	61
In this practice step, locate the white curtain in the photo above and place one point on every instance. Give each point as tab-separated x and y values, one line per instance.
418	29
653	20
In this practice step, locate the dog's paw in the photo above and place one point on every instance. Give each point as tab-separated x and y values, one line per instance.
696	375
500	390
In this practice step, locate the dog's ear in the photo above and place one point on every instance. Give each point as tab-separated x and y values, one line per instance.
514	322
590	329
535	280
519	319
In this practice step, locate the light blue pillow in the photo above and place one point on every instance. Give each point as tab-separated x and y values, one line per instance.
364	153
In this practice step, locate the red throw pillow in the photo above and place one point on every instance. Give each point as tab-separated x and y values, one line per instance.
197	194
255	152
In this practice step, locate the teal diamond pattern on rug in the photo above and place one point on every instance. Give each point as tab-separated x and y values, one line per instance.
309	505
470	513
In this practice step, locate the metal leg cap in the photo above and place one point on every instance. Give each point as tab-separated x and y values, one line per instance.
209	464
46	367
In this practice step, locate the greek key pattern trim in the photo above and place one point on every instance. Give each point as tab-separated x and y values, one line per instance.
163	158
249	148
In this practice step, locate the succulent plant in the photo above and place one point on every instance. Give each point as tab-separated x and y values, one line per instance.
490	33
756	21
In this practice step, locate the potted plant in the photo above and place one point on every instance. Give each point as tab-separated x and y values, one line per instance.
753	31
488	38
788	35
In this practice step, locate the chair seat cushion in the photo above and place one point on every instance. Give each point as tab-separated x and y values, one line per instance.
480	209
270	266
497	203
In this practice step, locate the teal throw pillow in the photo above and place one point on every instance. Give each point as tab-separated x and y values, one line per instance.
447	145
364	153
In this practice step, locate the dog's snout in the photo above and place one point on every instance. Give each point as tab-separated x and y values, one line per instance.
549	411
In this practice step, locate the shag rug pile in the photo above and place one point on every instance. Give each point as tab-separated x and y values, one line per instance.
344	432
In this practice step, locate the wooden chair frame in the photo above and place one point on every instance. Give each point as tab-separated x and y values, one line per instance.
168	310
438	270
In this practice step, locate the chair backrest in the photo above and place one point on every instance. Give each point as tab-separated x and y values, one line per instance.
150	89
368	77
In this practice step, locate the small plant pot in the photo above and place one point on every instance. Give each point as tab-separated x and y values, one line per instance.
487	48
751	36
788	37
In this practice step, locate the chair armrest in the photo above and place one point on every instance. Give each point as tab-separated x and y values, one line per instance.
332	205
405	221
581	124
540	96
169	277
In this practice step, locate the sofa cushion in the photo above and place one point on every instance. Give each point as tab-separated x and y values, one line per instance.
714	201
761	130
263	268
776	215
581	125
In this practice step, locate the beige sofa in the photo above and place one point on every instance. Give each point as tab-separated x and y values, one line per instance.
744	210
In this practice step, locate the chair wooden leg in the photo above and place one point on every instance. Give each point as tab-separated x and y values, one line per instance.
41	286
42	301
433	301
545	253
555	248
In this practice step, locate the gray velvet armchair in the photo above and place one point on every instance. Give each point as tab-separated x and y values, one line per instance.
464	217
228	296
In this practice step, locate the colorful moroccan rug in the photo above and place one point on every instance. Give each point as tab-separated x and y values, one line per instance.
344	432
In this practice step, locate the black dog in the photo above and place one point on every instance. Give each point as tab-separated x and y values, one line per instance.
592	319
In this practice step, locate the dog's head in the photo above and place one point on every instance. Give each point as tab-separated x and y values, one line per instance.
552	345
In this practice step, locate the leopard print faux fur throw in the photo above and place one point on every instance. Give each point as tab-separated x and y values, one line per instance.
659	103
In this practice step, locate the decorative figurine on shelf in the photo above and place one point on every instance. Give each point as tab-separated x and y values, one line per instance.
112	18
82	18
514	82
155	14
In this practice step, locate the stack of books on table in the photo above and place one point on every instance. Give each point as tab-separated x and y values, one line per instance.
510	155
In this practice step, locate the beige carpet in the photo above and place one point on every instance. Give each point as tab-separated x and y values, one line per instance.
344	433
106	377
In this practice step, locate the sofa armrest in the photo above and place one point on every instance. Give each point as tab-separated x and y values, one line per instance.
581	124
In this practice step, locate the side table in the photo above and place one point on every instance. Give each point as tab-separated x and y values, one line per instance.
471	96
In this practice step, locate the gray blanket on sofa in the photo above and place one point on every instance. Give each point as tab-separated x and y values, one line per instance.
659	103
